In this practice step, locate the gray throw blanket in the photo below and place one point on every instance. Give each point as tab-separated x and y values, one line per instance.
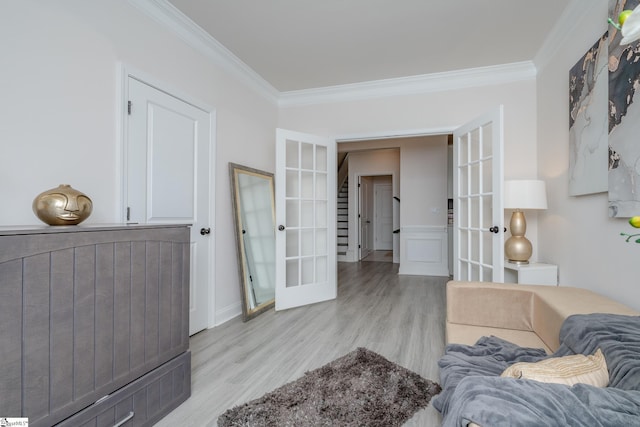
474	392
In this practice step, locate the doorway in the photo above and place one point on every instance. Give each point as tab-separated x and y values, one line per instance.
375	214
417	165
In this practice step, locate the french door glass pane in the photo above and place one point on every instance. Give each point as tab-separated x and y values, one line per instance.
475	245
321	186
293	184
464	181
475	212
487	137
487	221
463	151
474	154
463	207
306	205
475	272
464	244
293	213
487	181
475	178
292	154
293	247
321	158
321	269
321	241
321	214
487	248
306	212
307	242
292	273
307	185
487	275
307	270
307	156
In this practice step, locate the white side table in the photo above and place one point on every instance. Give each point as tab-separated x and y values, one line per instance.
535	273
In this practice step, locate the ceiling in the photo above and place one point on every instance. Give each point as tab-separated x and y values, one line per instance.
303	44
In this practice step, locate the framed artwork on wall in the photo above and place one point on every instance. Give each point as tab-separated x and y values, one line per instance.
588	137
624	120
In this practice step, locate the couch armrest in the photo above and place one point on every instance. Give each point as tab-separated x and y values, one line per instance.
554	304
495	305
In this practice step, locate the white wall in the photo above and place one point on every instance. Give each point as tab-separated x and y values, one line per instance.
423	174
423	207
575	232
60	111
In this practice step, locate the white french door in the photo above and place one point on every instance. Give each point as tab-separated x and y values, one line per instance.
168	157
478	238
305	219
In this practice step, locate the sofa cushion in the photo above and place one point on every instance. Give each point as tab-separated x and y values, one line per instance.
568	370
511	306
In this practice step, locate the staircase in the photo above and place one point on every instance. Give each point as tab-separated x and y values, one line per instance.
343	219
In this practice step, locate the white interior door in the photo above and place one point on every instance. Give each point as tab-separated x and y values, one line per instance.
478	238
306	219
365	215
383	201
168	178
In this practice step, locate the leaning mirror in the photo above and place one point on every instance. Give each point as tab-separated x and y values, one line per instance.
254	212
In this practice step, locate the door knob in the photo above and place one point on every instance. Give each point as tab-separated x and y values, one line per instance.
494	229
281	227
205	231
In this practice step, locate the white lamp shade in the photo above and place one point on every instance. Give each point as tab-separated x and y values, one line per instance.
525	194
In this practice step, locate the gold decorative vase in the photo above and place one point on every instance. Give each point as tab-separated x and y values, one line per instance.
62	205
518	248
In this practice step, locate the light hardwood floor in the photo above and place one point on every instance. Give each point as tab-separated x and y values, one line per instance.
400	317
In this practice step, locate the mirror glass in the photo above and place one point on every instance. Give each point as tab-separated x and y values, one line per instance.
254	212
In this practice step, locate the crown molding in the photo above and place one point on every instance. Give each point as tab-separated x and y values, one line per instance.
569	20
426	83
170	17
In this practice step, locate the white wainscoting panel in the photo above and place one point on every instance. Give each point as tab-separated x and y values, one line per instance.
424	250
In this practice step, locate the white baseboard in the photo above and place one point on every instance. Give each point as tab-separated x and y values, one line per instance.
227	313
424	251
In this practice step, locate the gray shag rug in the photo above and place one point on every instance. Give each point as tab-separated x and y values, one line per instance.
361	388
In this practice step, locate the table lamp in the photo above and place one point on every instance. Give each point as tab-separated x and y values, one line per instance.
521	195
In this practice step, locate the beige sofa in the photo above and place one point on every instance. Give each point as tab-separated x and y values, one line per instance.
527	315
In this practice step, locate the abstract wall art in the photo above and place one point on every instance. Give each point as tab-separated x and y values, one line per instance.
624	120
588	136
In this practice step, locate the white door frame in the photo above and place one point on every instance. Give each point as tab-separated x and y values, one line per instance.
122	84
367	136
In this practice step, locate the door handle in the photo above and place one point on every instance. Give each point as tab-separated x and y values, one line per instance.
205	231
495	229
281	227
